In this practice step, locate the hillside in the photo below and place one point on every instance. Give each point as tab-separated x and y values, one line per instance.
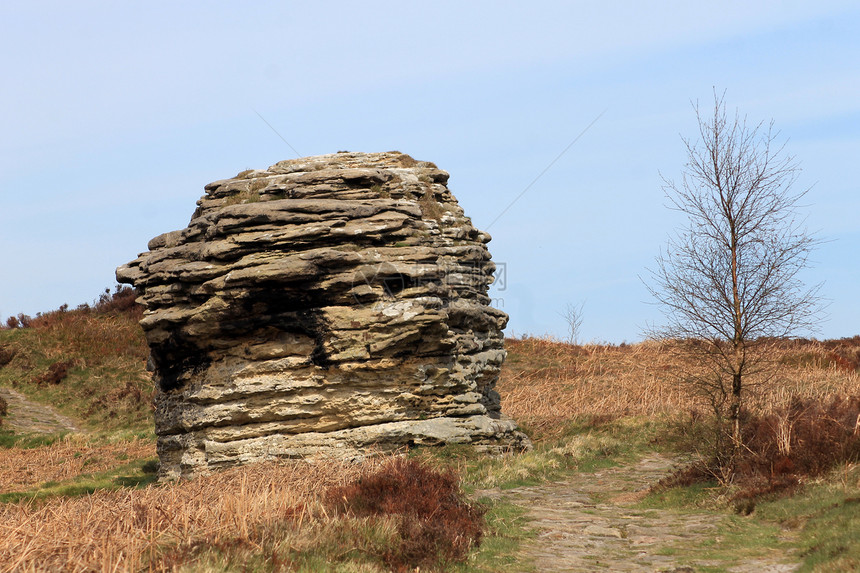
89	363
587	408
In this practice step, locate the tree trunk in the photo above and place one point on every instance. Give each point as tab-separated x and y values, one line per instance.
735	410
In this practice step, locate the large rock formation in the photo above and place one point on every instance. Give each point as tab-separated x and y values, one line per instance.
326	305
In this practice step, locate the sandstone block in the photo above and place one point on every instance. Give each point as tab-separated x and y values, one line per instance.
329	305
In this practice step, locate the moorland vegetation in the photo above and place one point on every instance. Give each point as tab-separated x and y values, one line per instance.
89	501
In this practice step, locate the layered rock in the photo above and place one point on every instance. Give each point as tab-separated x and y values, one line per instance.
325	306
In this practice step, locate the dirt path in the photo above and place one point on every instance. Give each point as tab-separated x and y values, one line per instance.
588	523
26	416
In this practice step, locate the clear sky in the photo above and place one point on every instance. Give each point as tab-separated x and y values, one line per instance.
114	115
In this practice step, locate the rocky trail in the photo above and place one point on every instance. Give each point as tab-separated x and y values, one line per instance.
26	416
589	522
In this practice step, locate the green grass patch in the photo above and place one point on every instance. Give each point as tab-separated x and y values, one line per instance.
826	519
582	448
818	525
736	540
9	439
500	550
698	495
135	474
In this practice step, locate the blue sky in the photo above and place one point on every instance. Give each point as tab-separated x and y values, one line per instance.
115	115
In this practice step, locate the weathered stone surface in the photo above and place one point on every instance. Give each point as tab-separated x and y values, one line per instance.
328	305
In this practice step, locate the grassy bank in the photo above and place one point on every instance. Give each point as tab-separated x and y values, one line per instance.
88	363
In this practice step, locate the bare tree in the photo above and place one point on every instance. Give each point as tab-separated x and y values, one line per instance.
573	317
728	282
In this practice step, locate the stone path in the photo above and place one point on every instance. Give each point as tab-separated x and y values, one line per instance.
26	416
588	523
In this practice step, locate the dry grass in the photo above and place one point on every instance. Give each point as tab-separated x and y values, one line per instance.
800	421
269	516
72	456
546	383
159	527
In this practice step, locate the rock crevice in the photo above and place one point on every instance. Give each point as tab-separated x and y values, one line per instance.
324	306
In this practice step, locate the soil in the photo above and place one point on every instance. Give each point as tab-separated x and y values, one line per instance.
28	417
589	522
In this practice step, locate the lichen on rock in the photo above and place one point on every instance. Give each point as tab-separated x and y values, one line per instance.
328	305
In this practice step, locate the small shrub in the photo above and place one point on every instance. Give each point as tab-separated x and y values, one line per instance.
7	354
242	198
56	373
806	438
430	208
844	353
406	160
122	399
123	299
435	524
4	409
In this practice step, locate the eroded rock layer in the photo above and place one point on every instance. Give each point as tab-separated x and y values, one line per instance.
325	306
